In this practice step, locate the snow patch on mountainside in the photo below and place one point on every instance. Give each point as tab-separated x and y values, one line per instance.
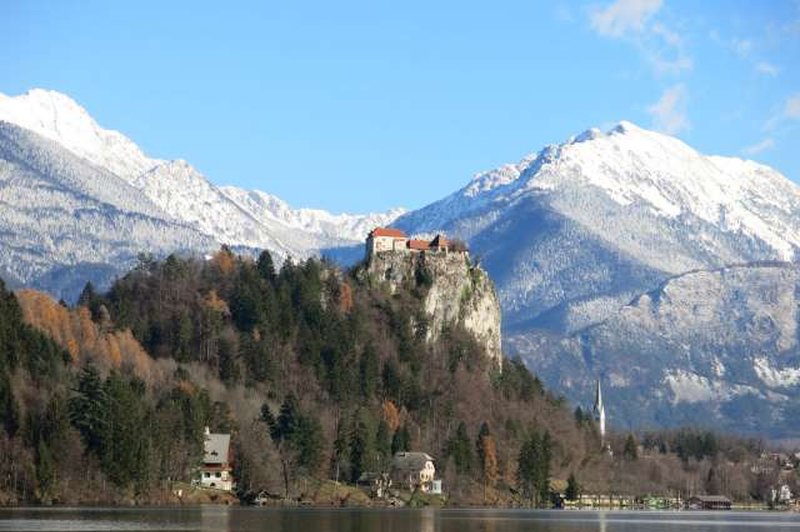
688	387
774	377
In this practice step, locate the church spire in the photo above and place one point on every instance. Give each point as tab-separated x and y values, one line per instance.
600	411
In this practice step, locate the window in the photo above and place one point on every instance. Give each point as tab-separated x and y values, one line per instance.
207	475
218	475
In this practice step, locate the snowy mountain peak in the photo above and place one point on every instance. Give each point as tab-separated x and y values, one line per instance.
589	134
624	126
647	172
58	117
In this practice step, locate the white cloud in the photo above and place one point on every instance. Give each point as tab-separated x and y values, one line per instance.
768	69
742	47
563	13
634	21
758	147
670	37
792	109
624	16
669	112
665	51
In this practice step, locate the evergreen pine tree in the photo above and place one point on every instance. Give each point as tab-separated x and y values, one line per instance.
265	267
479	445
401	441
45	471
460	449
362	448
630	451
573	491
9	413
88	409
383	445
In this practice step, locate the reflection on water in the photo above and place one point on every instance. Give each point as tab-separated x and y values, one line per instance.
221	518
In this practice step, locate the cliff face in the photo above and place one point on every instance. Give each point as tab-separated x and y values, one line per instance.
455	292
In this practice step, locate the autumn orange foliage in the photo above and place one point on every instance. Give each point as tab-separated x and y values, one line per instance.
490	470
390	415
74	330
214	302
224	260
346	298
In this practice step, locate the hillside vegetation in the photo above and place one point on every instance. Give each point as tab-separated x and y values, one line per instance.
318	374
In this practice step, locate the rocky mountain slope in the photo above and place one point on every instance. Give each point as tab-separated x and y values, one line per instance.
58	164
577	236
455	292
709	346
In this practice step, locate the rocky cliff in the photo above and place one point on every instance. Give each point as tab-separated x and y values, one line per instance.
717	345
455	291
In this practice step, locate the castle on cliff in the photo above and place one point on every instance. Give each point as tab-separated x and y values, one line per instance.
383	239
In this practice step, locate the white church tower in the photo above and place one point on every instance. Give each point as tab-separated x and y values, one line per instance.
600	412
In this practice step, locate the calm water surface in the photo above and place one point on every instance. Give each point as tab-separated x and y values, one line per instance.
214	518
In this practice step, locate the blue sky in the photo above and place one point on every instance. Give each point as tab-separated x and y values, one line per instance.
364	106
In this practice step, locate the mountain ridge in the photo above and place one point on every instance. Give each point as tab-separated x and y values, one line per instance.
573	235
58	129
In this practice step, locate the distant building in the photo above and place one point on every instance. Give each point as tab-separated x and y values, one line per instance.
599	411
708	502
383	239
782	495
216	471
386	239
414	470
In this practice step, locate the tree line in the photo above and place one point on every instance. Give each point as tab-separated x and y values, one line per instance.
316	373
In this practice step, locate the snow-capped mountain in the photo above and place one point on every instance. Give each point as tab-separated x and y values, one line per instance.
625	255
65	220
611	213
98	165
575	236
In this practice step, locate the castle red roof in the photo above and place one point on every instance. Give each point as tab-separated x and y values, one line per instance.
387	231
419	245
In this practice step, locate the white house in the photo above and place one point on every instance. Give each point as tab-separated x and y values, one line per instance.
386	239
414	470
216	471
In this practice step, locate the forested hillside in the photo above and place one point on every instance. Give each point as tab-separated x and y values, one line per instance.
319	374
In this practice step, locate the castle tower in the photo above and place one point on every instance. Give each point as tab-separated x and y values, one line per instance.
600	411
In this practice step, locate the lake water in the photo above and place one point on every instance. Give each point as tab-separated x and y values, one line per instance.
215	518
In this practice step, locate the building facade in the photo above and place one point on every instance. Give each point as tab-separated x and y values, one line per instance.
383	239
414	470
216	471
